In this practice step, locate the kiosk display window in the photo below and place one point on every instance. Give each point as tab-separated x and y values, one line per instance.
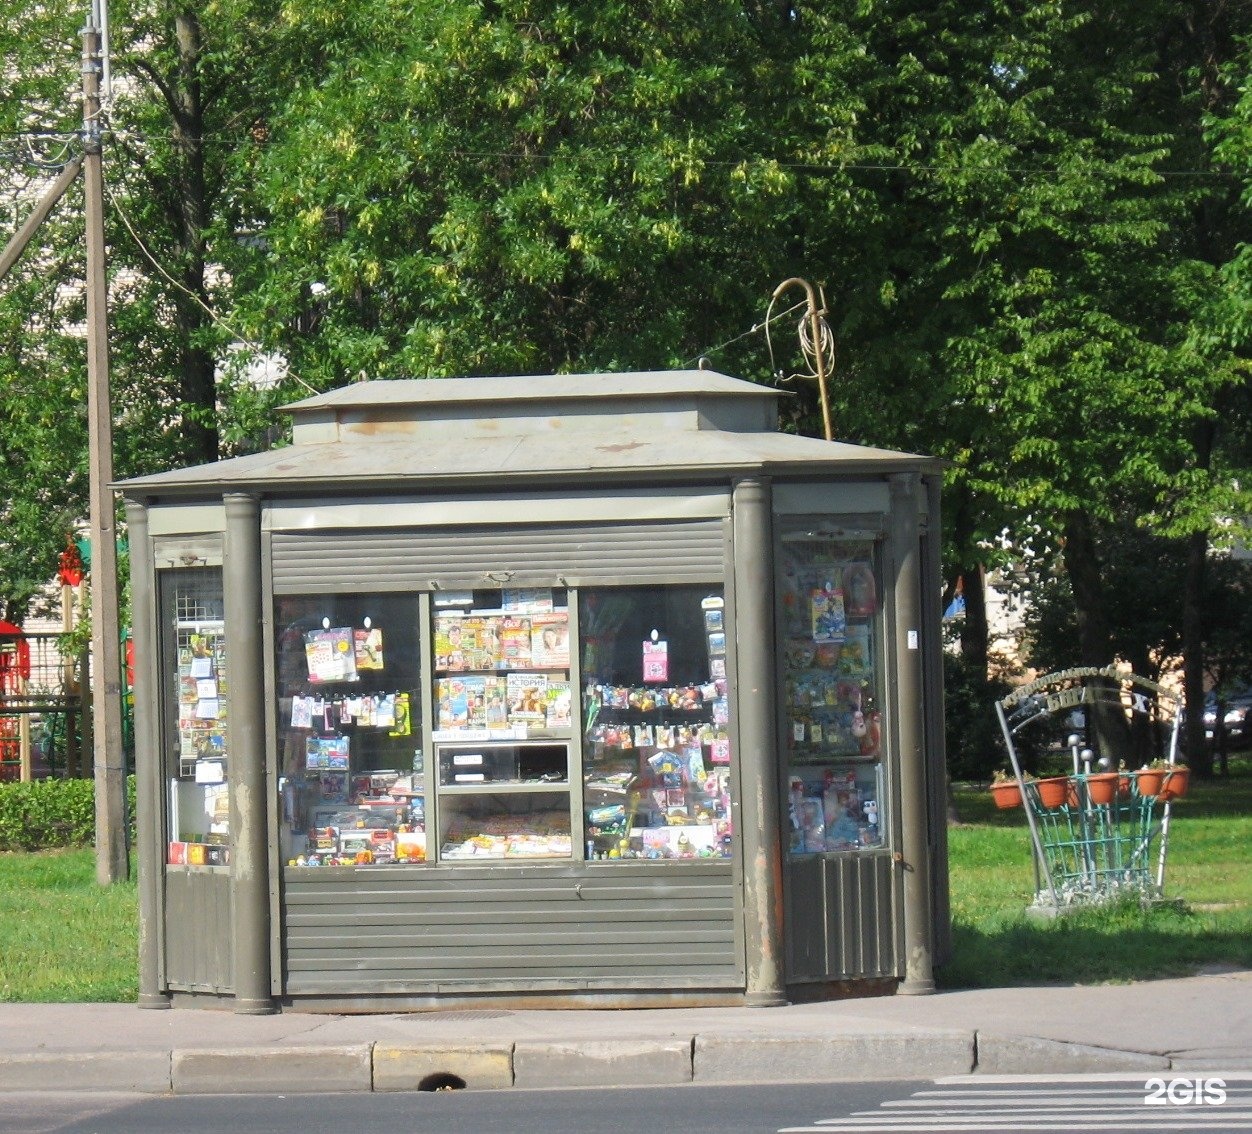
832	692
350	774
196	671
502	704
656	740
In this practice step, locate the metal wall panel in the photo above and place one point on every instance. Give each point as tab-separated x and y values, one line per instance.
198	955
840	923
453	558
399	930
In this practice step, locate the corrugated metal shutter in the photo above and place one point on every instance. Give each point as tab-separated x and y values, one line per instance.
512	555
198	938
653	926
841	916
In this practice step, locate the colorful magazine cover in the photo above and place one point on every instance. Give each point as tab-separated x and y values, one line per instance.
515	649
549	641
449	642
330	655
368	648
527	693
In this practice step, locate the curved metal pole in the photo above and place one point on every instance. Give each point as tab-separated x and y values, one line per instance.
1165	811
1041	863
815	328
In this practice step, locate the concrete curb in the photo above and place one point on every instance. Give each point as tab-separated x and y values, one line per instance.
291	1070
422	1068
1029	1055
859	1057
602	1063
142	1072
700	1059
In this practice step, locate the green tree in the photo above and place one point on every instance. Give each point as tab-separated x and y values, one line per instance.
178	146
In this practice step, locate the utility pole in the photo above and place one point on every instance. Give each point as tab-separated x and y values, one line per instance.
112	845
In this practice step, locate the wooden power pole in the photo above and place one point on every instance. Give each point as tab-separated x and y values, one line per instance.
112	844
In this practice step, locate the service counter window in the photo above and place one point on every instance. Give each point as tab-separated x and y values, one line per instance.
196	683
832	693
350	767
656	742
502	695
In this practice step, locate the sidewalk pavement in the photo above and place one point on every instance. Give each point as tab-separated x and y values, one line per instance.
1199	1023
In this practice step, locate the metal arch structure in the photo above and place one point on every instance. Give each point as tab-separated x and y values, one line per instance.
1086	852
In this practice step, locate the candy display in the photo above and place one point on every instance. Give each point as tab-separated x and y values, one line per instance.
656	774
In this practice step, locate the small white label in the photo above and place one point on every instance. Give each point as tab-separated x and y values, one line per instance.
912	639
467	758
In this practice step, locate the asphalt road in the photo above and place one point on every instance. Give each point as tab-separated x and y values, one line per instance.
1121	1103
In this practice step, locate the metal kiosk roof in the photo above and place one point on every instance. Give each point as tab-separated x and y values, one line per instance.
556	429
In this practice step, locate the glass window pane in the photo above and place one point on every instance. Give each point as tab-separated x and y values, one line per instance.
350	770
832	690
656	745
197	699
503	723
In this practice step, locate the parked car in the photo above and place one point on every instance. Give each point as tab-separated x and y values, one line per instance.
1236	718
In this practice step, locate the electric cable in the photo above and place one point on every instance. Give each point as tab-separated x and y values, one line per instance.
750	331
213	315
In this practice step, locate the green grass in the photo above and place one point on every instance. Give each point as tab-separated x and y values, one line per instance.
63	938
1208	870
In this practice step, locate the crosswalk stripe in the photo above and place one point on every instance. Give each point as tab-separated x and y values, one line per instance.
1103	1104
845	1127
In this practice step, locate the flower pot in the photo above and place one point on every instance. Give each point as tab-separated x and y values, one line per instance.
1006	795
1176	782
1150	781
1123	786
1053	792
1102	788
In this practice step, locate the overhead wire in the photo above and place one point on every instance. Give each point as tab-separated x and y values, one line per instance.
756	327
212	314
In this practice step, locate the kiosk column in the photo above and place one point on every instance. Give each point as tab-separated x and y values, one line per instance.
915	844
149	782
758	757
249	839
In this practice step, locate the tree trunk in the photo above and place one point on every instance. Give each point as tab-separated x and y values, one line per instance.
1107	730
974	633
197	375
1199	755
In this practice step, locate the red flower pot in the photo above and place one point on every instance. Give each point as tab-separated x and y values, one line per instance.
1176	782
1006	795
1150	781
1102	788
1053	792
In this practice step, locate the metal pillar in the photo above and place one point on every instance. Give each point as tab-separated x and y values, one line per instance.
249	837
757	755
149	769
914	856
